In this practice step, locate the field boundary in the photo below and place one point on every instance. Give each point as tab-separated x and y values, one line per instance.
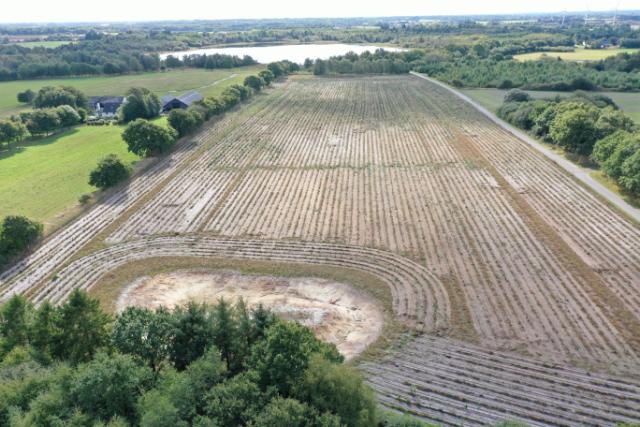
573	170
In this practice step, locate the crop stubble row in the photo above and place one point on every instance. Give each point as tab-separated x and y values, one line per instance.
385	163
373	162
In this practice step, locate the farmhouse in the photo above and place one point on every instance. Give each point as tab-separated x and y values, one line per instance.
106	106
169	102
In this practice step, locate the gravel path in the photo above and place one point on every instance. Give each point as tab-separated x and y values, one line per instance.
568	166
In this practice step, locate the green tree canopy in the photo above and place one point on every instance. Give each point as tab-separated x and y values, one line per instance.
81	328
109	172
575	131
42	121
17	234
68	116
254	82
26	97
630	173
145	334
148	139
184	121
267	76
108	386
55	96
140	103
12	131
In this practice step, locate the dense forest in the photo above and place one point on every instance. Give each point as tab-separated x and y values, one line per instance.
198	365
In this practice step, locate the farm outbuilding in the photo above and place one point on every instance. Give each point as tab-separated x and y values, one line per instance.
106	106
170	102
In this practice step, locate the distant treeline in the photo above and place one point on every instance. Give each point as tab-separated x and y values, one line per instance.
476	72
103	55
209	61
378	62
550	74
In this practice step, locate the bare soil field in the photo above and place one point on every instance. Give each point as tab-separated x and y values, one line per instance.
487	247
336	312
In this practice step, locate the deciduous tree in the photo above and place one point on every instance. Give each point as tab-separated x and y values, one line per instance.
148	139
109	172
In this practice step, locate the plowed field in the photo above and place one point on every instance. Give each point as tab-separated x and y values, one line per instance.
521	281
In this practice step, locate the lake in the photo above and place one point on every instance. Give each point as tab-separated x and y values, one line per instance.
294	53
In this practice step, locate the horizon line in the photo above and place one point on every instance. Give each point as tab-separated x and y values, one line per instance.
138	21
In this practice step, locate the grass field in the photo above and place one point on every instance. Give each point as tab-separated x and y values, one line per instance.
44	179
492	99
207	82
578	55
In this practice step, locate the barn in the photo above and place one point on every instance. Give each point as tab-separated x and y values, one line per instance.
170	102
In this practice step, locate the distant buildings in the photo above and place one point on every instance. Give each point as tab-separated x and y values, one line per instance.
170	102
106	106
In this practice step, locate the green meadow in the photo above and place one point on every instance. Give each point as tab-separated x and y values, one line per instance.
43	179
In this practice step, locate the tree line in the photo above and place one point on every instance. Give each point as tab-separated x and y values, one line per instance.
589	125
546	74
105	55
209	61
56	108
378	62
197	365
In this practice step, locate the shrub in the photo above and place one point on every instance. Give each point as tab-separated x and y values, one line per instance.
109	172
267	76
17	234
27	96
516	95
183	121
254	82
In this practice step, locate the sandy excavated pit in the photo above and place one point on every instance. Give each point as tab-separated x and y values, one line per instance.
337	313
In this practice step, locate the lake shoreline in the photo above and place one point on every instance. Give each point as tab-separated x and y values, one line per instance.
266	53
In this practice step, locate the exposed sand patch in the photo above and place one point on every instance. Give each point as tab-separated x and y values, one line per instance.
337	312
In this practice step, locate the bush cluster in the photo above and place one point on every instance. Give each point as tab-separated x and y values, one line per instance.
109	172
56	107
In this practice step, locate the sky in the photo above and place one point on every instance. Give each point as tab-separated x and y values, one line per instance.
153	10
